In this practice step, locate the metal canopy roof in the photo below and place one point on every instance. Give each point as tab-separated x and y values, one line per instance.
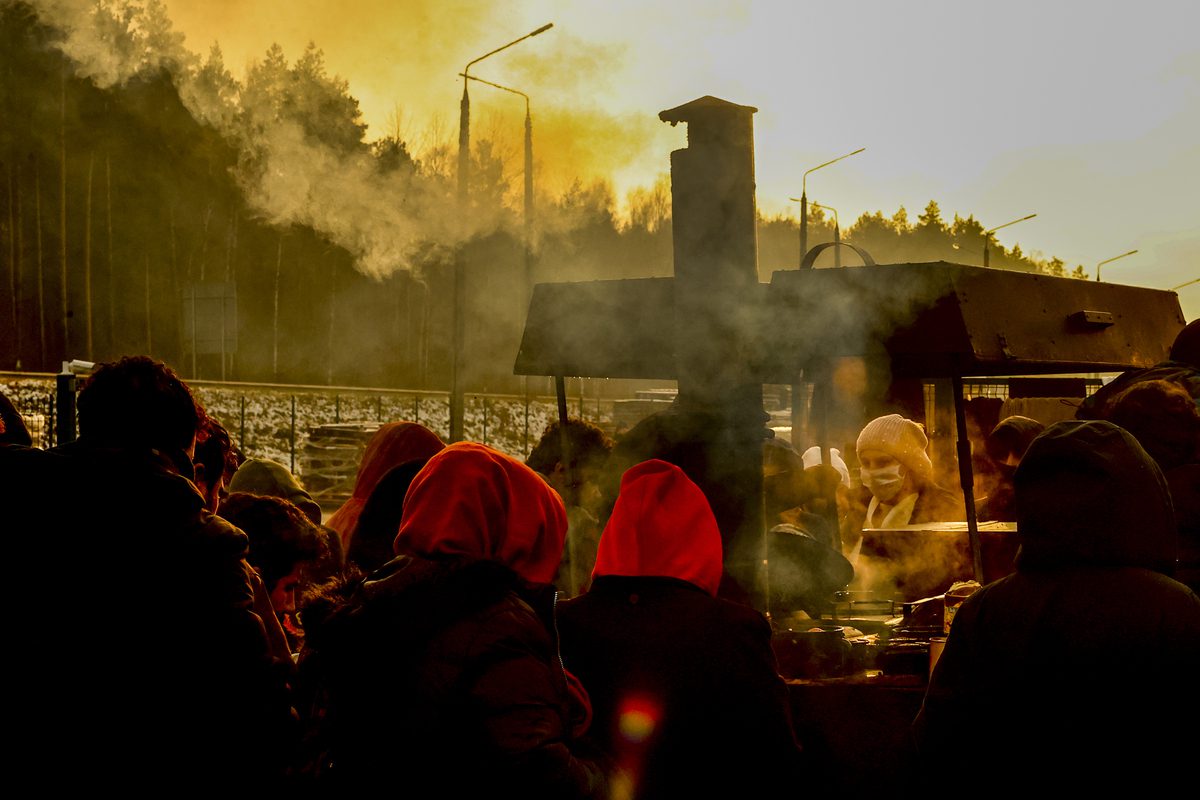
931	320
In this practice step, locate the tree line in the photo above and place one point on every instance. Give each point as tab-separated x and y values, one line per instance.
247	230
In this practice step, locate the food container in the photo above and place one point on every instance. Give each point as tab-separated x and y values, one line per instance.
819	651
936	645
953	599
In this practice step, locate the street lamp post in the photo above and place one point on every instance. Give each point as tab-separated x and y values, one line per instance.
528	183
1107	260
528	243
990	231
837	234
804	200
457	405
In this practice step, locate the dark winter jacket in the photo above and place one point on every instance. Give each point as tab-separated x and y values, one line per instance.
141	661
441	672
684	685
443	678
1078	672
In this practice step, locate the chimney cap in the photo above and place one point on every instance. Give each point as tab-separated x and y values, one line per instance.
708	103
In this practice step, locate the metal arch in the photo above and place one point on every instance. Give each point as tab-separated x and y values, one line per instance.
811	256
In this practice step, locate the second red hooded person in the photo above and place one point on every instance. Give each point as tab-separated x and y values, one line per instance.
686	693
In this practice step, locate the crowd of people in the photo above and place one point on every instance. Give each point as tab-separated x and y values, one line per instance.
562	626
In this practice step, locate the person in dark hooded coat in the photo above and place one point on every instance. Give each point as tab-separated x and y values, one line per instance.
138	663
1077	673
686	691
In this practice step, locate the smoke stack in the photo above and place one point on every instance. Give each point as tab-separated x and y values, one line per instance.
716	289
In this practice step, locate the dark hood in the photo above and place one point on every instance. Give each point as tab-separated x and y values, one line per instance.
1088	494
266	477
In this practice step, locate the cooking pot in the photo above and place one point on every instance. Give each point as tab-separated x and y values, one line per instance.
819	651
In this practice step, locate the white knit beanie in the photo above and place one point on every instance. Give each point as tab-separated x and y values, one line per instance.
902	439
812	457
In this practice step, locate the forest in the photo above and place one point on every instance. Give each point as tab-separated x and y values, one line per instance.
248	230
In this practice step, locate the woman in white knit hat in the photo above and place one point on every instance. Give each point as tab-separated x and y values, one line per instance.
896	469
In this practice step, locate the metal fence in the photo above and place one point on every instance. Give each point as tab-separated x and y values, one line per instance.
275	420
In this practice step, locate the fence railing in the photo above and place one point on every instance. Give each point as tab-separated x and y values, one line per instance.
275	420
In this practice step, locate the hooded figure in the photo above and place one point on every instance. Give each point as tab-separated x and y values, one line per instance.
441	670
262	476
1006	446
685	687
395	443
1077	673
371	545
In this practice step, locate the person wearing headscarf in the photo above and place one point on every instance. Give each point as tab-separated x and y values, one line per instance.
442	670
687	694
375	532
895	468
1075	675
395	443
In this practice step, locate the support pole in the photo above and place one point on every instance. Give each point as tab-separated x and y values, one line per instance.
966	476
824	390
564	439
64	385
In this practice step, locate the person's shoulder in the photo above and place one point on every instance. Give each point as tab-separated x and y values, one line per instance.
744	617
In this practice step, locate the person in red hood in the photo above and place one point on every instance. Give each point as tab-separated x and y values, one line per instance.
685	688
395	443
441	671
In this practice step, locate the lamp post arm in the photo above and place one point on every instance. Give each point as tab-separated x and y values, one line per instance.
498	86
1107	260
470	64
827	208
990	231
804	177
1005	225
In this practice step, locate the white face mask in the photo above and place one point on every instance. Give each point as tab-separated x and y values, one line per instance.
884	482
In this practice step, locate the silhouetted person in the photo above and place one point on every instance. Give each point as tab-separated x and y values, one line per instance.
12	427
686	691
1076	675
379	522
140	661
1005	446
1166	422
262	476
395	443
577	480
215	462
282	543
441	671
1181	367
805	565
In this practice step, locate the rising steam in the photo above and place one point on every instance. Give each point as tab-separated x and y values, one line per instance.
291	177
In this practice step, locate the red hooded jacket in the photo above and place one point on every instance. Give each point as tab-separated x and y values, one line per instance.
471	500
661	525
395	443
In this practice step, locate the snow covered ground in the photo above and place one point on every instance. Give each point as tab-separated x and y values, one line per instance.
275	423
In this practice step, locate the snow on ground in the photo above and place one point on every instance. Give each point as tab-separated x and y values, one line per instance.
260	420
